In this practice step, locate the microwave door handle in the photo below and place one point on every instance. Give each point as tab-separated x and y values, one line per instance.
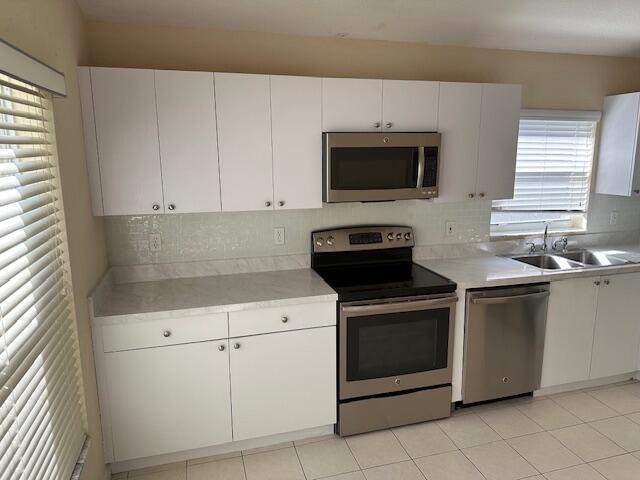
420	167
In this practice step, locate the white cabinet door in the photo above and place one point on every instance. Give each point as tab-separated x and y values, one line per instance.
351	105
188	141
243	113
459	125
569	335
283	382
617	332
409	106
498	145
296	126
124	104
168	399
617	158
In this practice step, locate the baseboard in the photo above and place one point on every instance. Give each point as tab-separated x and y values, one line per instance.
598	382
127	465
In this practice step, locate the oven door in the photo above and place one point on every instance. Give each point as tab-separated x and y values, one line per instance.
395	345
376	167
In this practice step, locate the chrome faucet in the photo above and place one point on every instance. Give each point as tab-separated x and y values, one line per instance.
543	247
564	241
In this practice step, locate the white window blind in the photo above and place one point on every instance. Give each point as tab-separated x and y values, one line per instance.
553	166
42	418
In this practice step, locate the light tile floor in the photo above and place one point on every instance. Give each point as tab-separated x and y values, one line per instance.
593	434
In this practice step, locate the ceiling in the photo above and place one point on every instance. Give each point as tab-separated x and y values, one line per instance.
601	27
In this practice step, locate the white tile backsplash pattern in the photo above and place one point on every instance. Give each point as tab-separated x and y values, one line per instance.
233	235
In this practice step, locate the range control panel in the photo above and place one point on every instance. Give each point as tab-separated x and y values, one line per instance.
362	238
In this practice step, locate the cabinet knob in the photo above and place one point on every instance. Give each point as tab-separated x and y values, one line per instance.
481	194
281	203
388	124
221	348
166	333
156	206
236	346
284	319
172	206
267	203
376	125
472	195
607	282
596	283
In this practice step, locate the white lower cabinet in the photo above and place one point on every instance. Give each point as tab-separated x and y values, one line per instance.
617	332
569	336
283	382
593	329
168	399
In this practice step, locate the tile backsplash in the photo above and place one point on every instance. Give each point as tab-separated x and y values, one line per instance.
230	235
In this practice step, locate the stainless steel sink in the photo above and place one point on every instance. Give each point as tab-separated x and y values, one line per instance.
548	262
588	257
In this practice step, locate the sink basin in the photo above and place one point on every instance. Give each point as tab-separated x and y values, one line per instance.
548	262
588	257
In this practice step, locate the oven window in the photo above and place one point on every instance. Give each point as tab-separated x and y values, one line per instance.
373	168
397	343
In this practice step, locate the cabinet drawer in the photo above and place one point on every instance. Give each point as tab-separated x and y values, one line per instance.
170	331
279	319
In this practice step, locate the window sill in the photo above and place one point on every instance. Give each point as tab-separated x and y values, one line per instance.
497	236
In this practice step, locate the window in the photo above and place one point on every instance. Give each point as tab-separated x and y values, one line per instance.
42	419
553	174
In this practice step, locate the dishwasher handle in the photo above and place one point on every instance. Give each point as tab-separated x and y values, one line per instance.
509	299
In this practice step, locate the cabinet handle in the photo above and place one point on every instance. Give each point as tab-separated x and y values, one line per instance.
172	206
267	203
236	346
596	283
166	333
281	203
607	282
481	194
389	125
156	206
376	125
284	319
472	195
221	348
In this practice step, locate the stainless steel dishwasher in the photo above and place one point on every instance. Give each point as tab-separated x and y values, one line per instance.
504	341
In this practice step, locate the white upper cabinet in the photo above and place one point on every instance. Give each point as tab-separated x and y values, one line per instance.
619	156
409	106
498	144
351	105
188	142
459	125
243	113
296	131
569	335
126	127
617	332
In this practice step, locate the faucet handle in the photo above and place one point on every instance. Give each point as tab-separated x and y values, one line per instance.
532	247
564	241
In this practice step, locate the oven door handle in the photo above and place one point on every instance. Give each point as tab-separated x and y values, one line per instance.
380	308
509	299
420	167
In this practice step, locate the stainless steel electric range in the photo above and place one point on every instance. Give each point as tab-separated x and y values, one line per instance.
395	328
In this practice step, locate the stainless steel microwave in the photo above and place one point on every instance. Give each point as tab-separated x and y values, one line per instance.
373	167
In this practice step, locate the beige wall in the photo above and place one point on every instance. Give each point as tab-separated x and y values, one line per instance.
549	80
53	32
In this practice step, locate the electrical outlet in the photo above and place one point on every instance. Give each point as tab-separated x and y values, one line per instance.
278	235
450	229
613	218
155	242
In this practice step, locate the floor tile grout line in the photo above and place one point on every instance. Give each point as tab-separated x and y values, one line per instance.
299	461
352	454
586	421
607	436
542	426
408	454
598	432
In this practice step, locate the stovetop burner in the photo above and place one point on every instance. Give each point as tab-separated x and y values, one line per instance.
363	263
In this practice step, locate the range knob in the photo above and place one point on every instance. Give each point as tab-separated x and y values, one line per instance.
319	241
390	236
407	236
330	241
398	236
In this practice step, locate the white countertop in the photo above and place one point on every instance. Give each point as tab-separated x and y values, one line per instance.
211	294
493	271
